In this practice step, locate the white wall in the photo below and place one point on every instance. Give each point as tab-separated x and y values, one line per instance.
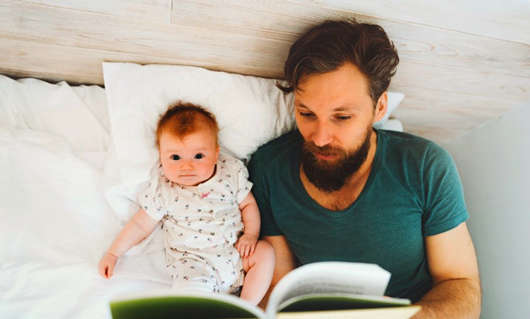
494	163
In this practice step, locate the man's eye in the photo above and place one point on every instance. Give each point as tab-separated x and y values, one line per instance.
306	114
199	156
175	157
343	117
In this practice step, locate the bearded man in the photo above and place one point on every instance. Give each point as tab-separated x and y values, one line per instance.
335	189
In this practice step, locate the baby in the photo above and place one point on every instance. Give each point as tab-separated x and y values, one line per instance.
204	201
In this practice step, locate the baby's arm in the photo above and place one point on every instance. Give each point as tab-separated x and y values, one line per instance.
139	227
251	225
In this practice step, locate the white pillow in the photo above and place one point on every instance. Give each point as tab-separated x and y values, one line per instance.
249	110
394	98
392	125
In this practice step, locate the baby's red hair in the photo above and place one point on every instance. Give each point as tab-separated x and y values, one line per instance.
183	118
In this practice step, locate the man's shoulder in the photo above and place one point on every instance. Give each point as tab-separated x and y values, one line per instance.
396	137
408	144
414	153
278	149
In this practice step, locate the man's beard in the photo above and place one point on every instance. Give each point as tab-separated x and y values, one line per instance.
330	177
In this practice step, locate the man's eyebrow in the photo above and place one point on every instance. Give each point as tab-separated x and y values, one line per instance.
345	108
300	104
342	108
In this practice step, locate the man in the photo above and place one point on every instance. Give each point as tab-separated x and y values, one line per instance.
336	189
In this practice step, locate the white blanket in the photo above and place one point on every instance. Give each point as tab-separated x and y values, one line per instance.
55	222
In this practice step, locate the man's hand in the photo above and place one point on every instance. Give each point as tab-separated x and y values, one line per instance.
246	244
106	265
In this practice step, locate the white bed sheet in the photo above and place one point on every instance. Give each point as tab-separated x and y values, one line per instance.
55	221
55	226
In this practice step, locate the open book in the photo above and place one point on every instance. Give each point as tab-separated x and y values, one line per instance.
317	290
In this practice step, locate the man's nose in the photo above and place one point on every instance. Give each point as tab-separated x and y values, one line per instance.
322	135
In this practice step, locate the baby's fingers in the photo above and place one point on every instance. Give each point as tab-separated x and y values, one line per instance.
109	271
243	249
101	270
252	249
240	248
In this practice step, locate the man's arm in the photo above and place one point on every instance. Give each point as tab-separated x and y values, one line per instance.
453	265
285	262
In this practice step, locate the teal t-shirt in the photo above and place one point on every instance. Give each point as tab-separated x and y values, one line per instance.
413	191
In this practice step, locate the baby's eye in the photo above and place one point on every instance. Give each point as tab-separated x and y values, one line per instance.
175	157
199	156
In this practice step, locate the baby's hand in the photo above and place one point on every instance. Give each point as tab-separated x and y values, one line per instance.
246	245
106	265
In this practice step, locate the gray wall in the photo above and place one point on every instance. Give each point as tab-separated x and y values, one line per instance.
494	163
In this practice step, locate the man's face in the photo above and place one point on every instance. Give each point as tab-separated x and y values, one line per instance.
334	113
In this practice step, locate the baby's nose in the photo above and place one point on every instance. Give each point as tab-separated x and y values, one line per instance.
187	165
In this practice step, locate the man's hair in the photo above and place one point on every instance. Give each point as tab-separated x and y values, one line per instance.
183	118
327	46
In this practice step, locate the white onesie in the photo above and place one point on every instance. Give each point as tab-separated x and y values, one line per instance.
201	225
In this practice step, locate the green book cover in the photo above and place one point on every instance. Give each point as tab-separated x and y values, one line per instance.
321	302
195	305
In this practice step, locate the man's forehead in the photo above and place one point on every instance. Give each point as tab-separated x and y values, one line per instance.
346	78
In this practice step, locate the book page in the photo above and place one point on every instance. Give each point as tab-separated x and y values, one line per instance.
330	277
378	313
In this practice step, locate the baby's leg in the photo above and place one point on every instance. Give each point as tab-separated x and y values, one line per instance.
190	274
259	268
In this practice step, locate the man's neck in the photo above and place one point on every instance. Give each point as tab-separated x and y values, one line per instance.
347	194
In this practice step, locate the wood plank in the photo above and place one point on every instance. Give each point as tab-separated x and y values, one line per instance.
55	62
504	20
192	45
198	42
431	58
138	10
281	20
462	80
443	116
285	20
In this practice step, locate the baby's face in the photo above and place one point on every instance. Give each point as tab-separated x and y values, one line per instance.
188	160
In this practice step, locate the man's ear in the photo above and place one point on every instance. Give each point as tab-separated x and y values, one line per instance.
381	107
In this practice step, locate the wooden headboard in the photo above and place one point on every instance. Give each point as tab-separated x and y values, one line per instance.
462	63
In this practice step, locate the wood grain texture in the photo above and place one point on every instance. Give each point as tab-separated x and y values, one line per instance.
158	11
454	79
503	20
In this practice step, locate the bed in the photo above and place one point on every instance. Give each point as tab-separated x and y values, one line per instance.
73	154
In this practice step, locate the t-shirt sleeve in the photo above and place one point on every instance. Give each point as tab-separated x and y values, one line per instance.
445	206
261	193
151	199
238	174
